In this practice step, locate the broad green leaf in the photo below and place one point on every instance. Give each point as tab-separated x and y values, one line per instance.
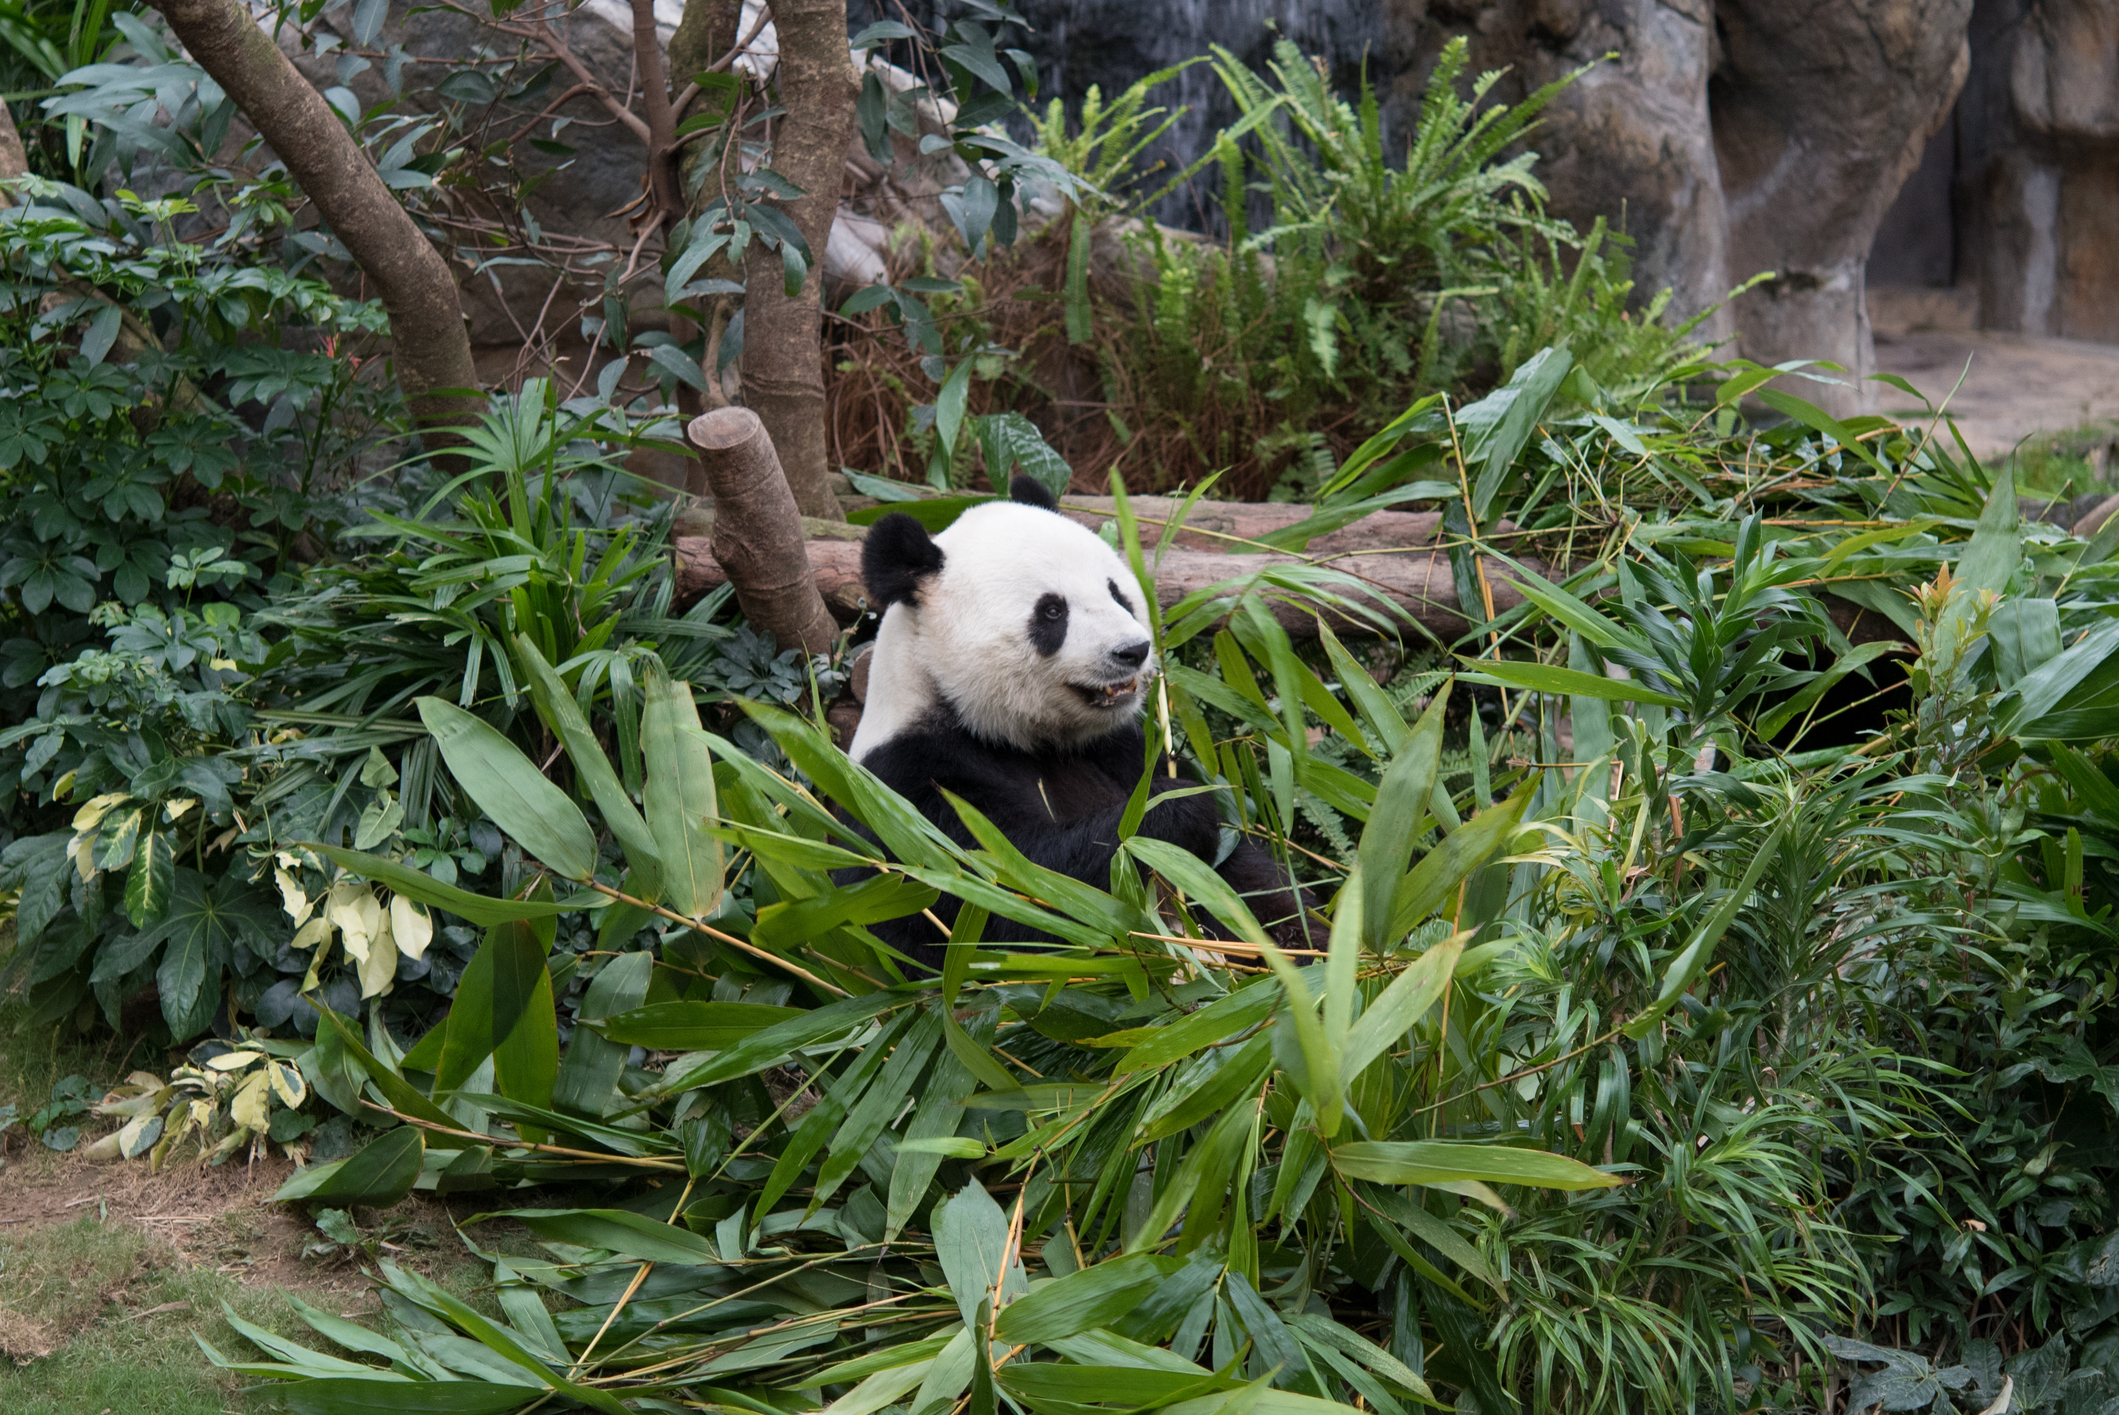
1498	437
1405	1211
376	1176
508	787
351	1335
678	794
151	879
400	1093
692	1026
940	1112
1810	415
1129	1386
1572	612
1988	561
1432	1161
1770	724
422	887
883	1101
556	705
1403	1003
785	925
1206	1088
526	1058
1258	1398
974	1057
623	1232
2041	691
1099	1347
1211	1158
1092	1297
880	1388
1197	878
197	932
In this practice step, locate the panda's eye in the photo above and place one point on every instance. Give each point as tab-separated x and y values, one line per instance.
1051	608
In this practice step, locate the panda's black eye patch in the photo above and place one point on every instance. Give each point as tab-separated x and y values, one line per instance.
1048	624
1119	595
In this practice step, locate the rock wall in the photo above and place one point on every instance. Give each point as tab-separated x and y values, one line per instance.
1726	137
2035	158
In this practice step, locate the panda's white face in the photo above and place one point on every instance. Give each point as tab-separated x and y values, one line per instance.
1031	629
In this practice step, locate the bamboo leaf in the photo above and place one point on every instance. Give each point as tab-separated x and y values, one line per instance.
556	705
1432	1161
1685	968
1567	682
1402	798
623	1232
504	982
691	1026
971	1243
418	885
678	795
1402	1004
376	1176
508	787
1451	862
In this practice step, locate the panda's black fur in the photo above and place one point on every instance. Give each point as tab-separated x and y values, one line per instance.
1060	804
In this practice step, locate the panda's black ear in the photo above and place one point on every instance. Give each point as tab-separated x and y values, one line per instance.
896	555
1031	492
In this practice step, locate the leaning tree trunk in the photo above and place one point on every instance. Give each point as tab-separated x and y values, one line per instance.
758	532
783	351
431	347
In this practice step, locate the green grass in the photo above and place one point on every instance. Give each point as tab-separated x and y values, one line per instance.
2075	461
113	1308
132	1306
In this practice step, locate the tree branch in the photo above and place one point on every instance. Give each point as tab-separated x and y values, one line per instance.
432	347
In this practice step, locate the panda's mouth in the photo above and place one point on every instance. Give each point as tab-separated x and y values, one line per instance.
1107	696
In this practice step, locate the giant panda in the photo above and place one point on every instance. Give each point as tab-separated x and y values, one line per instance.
1011	668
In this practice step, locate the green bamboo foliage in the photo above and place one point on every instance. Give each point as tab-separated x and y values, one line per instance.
1087	1176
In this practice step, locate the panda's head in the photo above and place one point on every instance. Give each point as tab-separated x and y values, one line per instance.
1023	622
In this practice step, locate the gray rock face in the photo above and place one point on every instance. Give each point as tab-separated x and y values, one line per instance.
2037	167
1726	137
1820	114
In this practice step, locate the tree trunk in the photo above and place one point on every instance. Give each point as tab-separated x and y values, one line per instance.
783	352
706	32
431	347
757	537
14	157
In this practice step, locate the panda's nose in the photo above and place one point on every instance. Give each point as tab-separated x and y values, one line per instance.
1132	655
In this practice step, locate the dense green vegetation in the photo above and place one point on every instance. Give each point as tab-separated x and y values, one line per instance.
1710	1005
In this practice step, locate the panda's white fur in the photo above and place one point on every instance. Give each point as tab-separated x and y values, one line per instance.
965	640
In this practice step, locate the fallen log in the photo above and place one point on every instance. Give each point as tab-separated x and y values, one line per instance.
1414	580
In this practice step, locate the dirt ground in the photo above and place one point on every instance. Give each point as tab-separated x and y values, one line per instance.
193	1218
2015	385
